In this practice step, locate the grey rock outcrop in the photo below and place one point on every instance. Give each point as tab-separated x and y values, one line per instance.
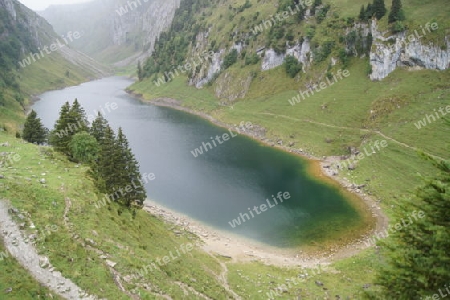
148	22
271	60
405	49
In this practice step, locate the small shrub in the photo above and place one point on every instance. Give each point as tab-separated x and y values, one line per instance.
292	66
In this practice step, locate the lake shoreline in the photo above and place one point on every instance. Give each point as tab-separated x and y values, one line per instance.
319	170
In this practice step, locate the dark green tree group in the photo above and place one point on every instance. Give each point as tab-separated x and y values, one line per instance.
172	46
72	120
34	131
378	9
396	13
114	168
417	260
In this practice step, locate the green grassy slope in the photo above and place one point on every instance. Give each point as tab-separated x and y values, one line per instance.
84	235
132	243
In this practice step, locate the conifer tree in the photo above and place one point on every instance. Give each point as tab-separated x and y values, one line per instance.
116	169
59	137
77	119
72	120
417	263
98	131
362	14
34	131
396	13
105	168
130	174
369	11
98	127
140	71
379	9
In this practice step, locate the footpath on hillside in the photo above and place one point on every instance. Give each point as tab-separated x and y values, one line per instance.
25	253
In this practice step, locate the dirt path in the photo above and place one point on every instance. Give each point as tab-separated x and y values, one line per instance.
351	128
223	278
27	256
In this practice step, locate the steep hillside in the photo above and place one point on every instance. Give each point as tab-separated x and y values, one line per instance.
282	66
116	32
33	58
321	36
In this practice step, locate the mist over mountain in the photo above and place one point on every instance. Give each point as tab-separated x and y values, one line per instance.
116	31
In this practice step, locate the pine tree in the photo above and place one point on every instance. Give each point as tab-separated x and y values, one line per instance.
379	9
369	11
417	261
140	72
105	168
59	137
131	174
77	119
116	170
34	131
362	14
396	13
98	131
98	127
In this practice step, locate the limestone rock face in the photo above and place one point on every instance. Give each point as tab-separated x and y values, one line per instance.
406	49
271	60
147	21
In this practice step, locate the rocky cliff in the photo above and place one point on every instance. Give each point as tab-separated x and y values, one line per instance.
404	49
39	32
407	49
